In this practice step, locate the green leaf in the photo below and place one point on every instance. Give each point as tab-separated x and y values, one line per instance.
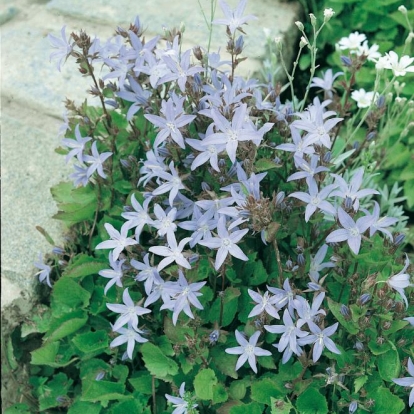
46	354
204	382
263	390
66	325
350	326
157	363
280	406
39	322
81	407
57	387
312	402
409	192
389	365
136	406
256	273
142	382
91	342
359	382
385	401
225	363
18	408
378	349
230	302
252	408
265	164
84	265
177	334
219	394
237	390
95	391
68	292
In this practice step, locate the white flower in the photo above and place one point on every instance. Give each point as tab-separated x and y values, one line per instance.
181	404
363	98
400	281
399	67
408	381
352	42
119	240
327	14
371	53
247	350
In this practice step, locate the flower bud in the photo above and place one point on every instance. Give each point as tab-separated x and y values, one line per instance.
327	157
205	186
303	42
359	346
214	336
402	9
300	26
345	312
371	135
346	61
353	407
279	43
398	239
312	19
301	259
364	299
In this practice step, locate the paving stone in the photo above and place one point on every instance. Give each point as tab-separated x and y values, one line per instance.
277	16
29	168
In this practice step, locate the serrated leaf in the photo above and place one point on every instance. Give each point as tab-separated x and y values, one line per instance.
157	363
385	401
389	365
75	213
91	342
46	354
142	382
378	349
66	325
57	387
311	401
225	363
219	394
263	390
95	391
84	266
82	407
39	322
204	382
139	405
252	408
280	406
68	292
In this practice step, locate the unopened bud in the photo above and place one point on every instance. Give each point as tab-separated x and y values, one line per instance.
312	19
371	135
345	312
279	43
364	299
346	61
303	42
300	26
301	259
353	407
398	239
402	9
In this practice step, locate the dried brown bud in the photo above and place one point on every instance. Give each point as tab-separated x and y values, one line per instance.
386	325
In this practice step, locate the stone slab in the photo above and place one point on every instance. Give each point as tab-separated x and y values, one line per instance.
29	168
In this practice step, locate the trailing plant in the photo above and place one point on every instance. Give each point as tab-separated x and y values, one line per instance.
229	248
